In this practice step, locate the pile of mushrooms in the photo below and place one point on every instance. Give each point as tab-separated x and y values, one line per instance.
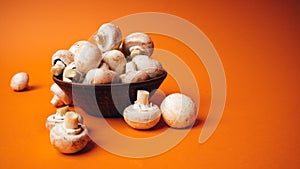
105	58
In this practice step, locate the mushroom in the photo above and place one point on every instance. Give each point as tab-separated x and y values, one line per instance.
178	110
130	66
74	48
142	114
88	57
70	136
108	37
71	74
137	44
59	96
61	59
151	66
58	117
115	60
100	76
19	81
134	76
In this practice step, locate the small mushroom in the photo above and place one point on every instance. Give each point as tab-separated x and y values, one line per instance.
61	59
178	110
100	76
137	44
71	74
58	117
134	76
108	37
70	136
59	95
115	60
149	65
88	57
142	115
19	81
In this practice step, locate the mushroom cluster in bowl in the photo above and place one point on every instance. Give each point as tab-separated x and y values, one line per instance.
101	75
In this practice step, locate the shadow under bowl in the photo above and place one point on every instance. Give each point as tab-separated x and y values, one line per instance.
107	100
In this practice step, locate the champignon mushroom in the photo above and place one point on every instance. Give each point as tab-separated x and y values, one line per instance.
70	136
74	48
61	59
71	74
116	60
134	76
178	110
108	37
59	95
88	57
19	81
100	76
58	117
151	66
137	44
142	115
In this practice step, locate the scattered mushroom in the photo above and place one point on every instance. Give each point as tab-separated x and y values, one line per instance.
59	95
137	44
71	74
88	57
100	76
58	117
178	110
142	115
19	81
108	37
70	136
61	59
115	60
149	65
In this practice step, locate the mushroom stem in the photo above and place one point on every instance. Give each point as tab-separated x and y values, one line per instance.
56	101
135	52
62	111
58	68
71	120
142	97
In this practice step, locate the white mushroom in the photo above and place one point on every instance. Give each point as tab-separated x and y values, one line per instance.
75	47
100	76
61	59
108	37
149	65
59	95
142	115
137	44
178	110
70	136
134	76
88	57
115	60
58	117
19	81
71	74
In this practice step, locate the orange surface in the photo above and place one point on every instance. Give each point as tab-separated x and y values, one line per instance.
257	43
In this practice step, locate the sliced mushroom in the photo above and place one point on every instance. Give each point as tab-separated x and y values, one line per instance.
137	44
108	37
149	65
116	60
70	136
88	57
142	115
61	59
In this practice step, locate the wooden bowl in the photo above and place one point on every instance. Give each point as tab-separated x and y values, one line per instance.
107	100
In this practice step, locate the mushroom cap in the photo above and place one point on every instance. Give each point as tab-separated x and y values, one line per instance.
134	76
68	143
142	117
108	37
56	90
115	60
63	55
149	65
100	76
88	57
178	110
138	41
19	81
75	47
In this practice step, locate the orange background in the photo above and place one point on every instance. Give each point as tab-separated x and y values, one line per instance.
257	43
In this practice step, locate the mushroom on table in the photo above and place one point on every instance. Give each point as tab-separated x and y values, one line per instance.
19	81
